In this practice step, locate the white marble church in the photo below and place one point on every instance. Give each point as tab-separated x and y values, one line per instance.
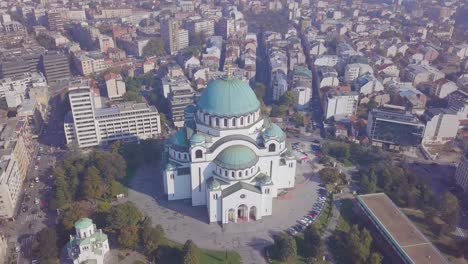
228	156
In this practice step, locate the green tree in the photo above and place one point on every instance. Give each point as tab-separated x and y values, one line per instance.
284	247
154	47
279	111
151	237
116	188
131	96
329	175
44	246
198	39
368	183
74	212
62	191
449	208
260	90
288	98
93	186
111	165
190	253
123	215
358	245
375	258
163	120
313	244
299	119
128	236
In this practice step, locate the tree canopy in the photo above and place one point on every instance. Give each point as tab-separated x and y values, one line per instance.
449	208
284	247
190	253
329	175
44	246
125	214
154	47
313	244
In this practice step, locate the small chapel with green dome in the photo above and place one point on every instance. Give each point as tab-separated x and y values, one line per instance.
227	156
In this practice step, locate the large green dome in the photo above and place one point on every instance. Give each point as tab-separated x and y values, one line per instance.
228	98
236	157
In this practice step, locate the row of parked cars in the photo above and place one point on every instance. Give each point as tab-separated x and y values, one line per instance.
312	216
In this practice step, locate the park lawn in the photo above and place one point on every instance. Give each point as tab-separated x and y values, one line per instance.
346	215
170	252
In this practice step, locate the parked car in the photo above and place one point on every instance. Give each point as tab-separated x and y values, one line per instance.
292	231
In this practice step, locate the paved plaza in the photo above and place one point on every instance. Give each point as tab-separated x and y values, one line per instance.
181	221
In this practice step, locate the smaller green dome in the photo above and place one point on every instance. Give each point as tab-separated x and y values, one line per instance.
274	131
214	184
265	180
236	157
170	166
83	223
197	138
180	138
190	109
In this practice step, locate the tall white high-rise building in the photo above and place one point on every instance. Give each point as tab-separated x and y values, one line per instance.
89	125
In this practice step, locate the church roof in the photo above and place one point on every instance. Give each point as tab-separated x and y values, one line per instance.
180	138
197	138
236	157
228	98
239	186
274	131
83	223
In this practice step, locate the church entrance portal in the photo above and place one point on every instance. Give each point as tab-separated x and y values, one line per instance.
242	213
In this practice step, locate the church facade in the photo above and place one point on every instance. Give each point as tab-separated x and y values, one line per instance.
228	157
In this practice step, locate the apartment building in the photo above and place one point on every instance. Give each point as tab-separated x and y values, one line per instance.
54	20
441	125
55	66
180	96
171	36
115	85
16	149
203	26
89	125
340	104
461	175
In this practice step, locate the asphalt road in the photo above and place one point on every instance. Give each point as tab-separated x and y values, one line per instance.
32	213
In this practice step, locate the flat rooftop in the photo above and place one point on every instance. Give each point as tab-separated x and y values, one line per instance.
405	235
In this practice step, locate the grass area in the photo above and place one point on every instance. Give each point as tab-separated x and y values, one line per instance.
445	243
346	215
322	220
170	252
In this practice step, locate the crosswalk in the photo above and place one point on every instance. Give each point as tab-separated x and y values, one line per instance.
29	218
459	232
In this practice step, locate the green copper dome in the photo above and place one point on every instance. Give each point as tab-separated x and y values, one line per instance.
236	158
83	223
197	139
213	184
274	131
228	98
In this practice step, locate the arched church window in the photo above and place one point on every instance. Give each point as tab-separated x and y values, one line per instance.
272	148
198	154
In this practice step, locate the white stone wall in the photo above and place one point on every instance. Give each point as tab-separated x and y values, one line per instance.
234	200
